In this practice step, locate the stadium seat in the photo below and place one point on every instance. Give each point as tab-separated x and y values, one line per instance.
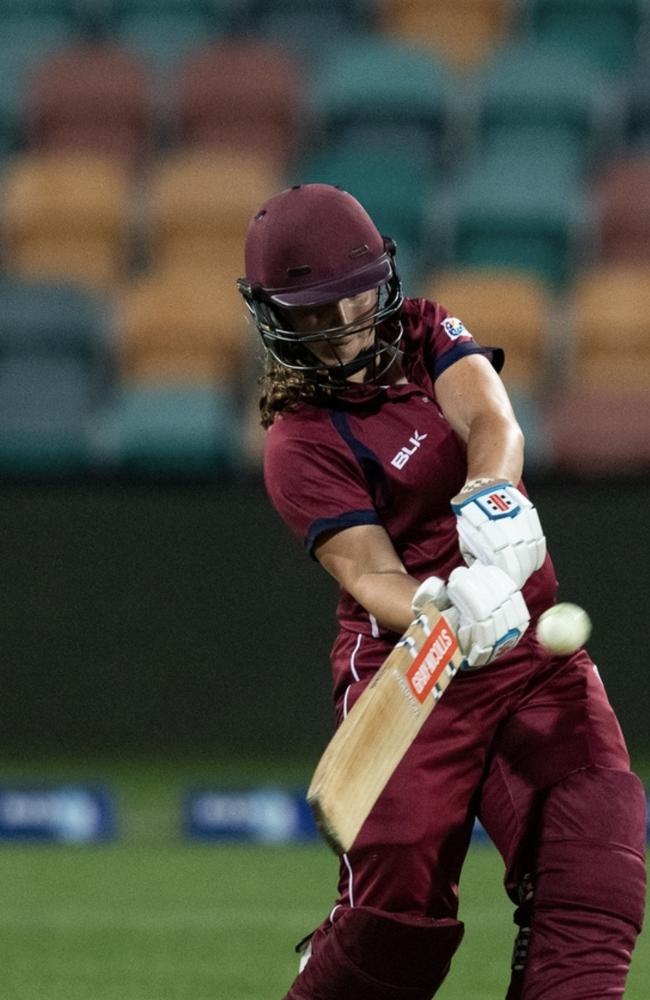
218	15
610	307
181	329
200	205
392	182
382	90
69	13
23	45
502	309
597	423
66	218
164	38
532	93
242	95
172	431
93	97
56	375
521	210
622	197
606	31
301	25
462	32
45	416
638	104
598	432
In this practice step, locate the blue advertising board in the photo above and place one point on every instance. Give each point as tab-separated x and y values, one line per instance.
62	813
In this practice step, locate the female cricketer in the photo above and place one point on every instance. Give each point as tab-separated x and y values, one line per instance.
394	454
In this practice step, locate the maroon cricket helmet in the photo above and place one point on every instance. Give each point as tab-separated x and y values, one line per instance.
312	244
307	246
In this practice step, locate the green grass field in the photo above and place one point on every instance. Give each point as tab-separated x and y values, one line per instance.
151	918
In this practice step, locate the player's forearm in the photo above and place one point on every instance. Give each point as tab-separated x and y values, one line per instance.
387	597
495	448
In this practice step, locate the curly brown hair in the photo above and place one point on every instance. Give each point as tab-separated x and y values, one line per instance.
283	389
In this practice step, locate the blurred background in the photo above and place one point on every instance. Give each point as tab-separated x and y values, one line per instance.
159	624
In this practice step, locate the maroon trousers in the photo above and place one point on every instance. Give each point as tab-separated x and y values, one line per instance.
531	745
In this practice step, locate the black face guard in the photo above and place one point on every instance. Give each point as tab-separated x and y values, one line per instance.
291	349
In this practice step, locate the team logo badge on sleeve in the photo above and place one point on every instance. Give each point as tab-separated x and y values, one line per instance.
454	327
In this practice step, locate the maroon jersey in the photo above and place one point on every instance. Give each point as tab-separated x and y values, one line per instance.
388	457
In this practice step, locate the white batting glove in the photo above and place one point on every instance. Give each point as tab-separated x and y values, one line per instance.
432	589
493	613
499	526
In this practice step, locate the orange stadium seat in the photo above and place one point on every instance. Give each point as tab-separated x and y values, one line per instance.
183	329
66	218
622	198
94	97
502	309
200	205
611	317
243	95
463	32
511	310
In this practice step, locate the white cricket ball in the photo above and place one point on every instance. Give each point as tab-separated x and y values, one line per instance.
563	628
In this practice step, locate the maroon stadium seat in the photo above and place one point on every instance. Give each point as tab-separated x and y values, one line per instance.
241	94
93	97
623	200
599	431
599	422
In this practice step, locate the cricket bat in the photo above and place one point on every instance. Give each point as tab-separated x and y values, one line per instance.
380	727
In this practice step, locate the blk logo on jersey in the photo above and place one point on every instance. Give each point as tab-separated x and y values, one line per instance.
403	455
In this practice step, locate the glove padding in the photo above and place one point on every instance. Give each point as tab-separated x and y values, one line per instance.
499	526
483	606
493	614
432	589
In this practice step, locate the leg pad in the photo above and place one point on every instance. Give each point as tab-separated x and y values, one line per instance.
582	905
371	955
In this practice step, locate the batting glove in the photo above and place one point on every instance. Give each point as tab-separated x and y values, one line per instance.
493	614
497	525
432	589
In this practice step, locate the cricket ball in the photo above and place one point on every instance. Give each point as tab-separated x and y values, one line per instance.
563	628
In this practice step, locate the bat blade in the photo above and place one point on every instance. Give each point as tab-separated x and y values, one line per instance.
369	744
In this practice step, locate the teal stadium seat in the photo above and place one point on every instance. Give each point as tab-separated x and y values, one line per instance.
55	378
392	182
513	209
75	15
219	13
638	104
383	90
163	39
24	43
173	431
165	31
528	92
302	25
606	31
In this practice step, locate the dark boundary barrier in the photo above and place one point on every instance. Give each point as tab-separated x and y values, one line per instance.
180	618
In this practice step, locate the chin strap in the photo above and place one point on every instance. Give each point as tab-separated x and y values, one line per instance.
376	360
